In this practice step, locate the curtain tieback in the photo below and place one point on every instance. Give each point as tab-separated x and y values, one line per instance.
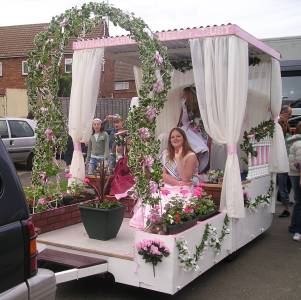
77	147
232	149
276	119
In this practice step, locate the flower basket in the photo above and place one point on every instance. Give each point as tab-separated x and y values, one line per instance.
57	217
102	223
207	216
213	189
176	228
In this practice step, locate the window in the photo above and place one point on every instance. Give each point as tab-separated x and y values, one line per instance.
68	65
24	67
1	68
20	128
122	85
3	129
291	88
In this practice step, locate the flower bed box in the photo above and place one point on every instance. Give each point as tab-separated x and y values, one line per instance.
57	217
215	189
208	216
176	228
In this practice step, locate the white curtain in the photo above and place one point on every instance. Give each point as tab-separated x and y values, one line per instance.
220	66
278	160
259	94
86	73
170	114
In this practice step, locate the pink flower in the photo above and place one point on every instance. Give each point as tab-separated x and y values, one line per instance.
154	250
144	133
148	161
198	191
42	201
49	134
87	180
64	22
165	192
184	192
153	186
158	86
188	210
158	58
151	113
43	177
68	175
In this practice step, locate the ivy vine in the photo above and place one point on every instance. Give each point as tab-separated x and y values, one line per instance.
264	129
43	83
210	238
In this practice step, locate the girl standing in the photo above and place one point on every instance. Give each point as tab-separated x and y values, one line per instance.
98	148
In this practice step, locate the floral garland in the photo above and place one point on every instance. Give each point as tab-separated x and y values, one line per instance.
264	129
43	84
261	200
152	251
210	238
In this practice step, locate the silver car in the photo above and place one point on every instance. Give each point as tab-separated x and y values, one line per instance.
18	136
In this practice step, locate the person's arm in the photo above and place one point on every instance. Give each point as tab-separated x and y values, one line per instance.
187	166
172	180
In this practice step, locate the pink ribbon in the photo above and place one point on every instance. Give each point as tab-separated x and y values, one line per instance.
231	148
77	147
276	119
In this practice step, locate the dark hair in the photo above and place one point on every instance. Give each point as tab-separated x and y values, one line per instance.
191	100
285	109
186	146
298	128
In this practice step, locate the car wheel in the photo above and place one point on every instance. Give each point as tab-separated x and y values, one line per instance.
29	162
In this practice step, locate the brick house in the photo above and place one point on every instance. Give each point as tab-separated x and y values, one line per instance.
17	41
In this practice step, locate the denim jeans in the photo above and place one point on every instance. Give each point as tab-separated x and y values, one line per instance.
282	179
296	217
93	165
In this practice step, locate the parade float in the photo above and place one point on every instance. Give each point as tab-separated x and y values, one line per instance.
238	85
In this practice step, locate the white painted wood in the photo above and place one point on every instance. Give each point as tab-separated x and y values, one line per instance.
65	276
93	270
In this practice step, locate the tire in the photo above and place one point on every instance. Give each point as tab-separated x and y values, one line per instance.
29	162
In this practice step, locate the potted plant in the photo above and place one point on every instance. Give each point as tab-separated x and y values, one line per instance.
203	204
102	220
179	214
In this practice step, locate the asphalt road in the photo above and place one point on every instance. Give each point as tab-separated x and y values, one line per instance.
269	268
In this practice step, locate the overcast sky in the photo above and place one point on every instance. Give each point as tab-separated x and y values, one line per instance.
262	18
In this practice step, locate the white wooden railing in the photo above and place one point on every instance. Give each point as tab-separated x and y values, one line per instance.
259	166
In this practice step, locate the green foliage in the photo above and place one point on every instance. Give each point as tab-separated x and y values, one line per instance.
43	87
264	129
106	204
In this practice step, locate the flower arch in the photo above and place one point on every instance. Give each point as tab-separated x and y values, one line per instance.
43	83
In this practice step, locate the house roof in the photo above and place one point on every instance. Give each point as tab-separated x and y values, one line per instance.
17	40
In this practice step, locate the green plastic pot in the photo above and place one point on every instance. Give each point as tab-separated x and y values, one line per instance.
101	224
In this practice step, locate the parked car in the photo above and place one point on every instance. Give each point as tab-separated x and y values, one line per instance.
19	276
18	136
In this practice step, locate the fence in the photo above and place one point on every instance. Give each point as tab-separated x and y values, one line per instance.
104	107
259	166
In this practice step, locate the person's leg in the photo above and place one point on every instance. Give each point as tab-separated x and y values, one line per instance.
296	216
92	166
283	193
